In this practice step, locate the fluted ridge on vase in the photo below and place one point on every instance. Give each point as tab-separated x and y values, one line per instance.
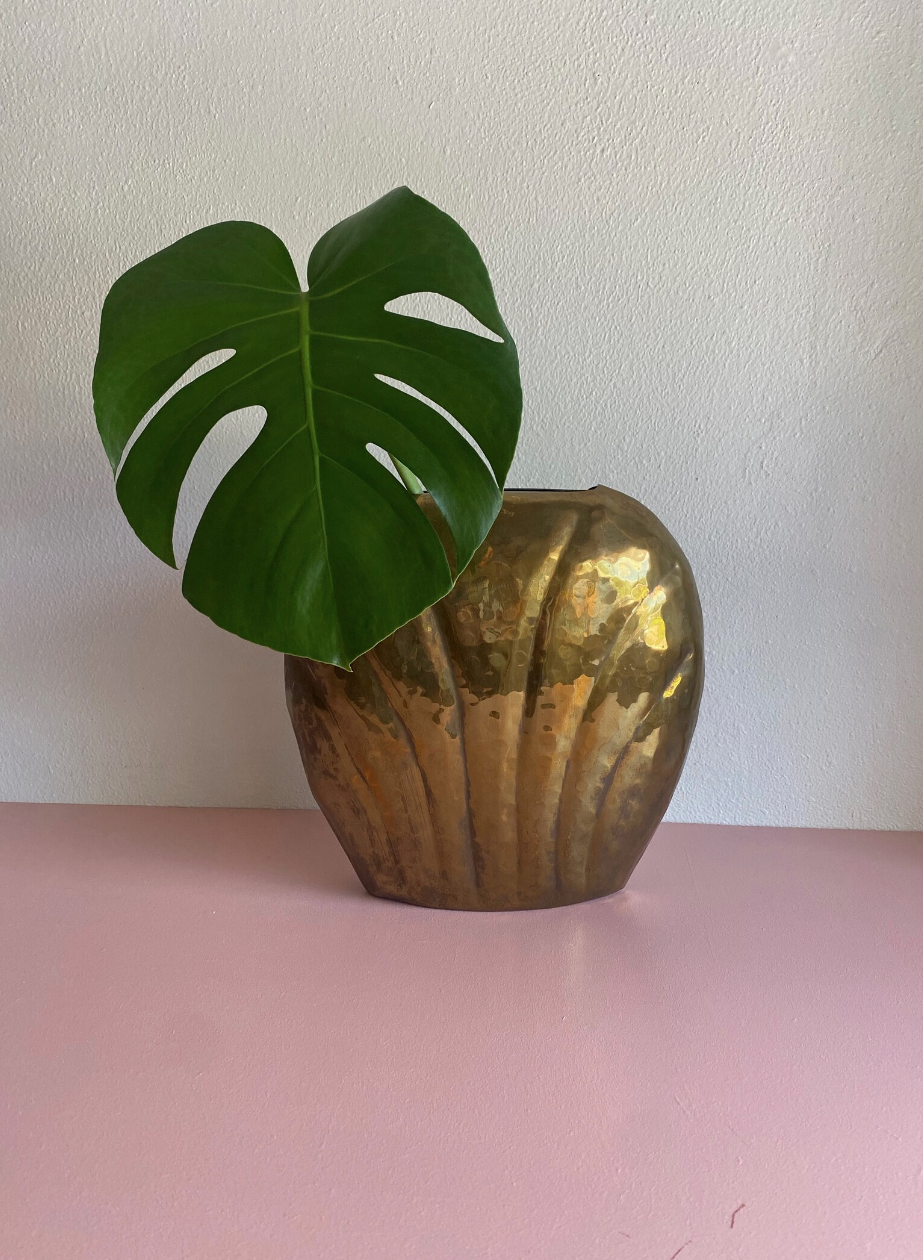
516	745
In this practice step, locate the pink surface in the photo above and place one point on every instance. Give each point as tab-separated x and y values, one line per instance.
215	1045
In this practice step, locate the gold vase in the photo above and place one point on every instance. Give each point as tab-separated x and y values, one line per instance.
516	745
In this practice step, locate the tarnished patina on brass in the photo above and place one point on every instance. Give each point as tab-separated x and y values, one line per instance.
516	745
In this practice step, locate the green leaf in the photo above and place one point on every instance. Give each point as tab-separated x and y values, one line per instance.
309	545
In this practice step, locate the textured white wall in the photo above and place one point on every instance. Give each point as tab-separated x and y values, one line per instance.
704	222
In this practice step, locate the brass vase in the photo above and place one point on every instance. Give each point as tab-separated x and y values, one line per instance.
516	745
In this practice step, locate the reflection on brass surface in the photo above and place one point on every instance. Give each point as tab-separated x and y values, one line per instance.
516	745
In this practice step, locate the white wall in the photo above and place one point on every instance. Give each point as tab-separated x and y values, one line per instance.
704	224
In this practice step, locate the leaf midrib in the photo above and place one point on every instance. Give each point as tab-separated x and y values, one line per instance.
304	330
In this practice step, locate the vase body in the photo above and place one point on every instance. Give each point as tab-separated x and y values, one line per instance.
516	745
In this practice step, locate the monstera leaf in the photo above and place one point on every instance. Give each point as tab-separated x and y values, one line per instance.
309	545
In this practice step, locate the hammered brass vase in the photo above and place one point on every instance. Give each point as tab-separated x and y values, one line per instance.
516	745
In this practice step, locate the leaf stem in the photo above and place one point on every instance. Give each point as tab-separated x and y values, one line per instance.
413	484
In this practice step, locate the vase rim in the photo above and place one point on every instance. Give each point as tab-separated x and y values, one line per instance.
552	489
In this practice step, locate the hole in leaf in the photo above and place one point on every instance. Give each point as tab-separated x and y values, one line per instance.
440	310
440	524
220	451
446	415
387	461
382	456
199	368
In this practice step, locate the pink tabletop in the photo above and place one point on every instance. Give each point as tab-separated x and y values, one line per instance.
215	1046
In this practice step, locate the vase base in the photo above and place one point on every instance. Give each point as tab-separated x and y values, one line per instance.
557	903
